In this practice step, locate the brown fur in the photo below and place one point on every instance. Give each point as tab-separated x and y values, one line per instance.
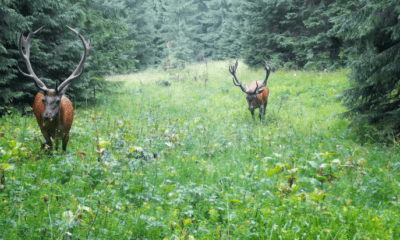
257	93
261	97
58	127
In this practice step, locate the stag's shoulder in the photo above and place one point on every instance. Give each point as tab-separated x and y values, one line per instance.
38	105
67	112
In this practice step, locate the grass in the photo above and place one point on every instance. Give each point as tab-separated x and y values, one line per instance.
172	156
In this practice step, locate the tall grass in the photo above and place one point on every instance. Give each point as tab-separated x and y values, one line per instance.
168	156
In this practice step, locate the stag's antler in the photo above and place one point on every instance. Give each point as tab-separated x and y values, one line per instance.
268	69
264	84
79	69
232	70
25	42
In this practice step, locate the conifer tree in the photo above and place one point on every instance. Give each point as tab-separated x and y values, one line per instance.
55	51
289	31
213	17
48	47
230	43
179	28
374	26
142	20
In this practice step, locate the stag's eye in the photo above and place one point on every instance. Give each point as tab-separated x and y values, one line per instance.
44	101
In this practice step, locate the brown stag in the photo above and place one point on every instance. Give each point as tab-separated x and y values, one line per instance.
256	94
53	110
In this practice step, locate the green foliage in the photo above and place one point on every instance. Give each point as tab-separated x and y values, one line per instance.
189	162
231	32
374	94
55	51
213	18
289	31
142	23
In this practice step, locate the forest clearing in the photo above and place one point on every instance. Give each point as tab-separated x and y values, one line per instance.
176	155
199	119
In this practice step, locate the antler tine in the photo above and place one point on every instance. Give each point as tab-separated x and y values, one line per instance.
25	41
79	69
255	90
232	70
268	69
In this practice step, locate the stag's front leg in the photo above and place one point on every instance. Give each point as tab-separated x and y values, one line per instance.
263	109
56	141
48	140
57	137
261	113
65	142
252	113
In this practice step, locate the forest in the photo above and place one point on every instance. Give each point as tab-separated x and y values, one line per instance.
162	145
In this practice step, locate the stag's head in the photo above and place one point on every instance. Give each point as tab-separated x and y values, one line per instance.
52	97
252	92
252	96
52	103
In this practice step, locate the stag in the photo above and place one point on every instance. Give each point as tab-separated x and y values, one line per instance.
256	94
53	110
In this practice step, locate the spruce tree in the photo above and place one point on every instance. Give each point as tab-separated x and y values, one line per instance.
179	29
213	17
55	51
374	95
230	43
286	31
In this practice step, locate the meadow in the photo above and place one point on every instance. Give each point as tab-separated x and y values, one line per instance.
176	155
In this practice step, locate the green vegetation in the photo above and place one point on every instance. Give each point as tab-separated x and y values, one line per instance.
170	155
132	35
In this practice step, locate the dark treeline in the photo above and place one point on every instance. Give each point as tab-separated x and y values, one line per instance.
130	35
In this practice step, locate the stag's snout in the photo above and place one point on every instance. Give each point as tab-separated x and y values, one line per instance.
47	116
251	107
